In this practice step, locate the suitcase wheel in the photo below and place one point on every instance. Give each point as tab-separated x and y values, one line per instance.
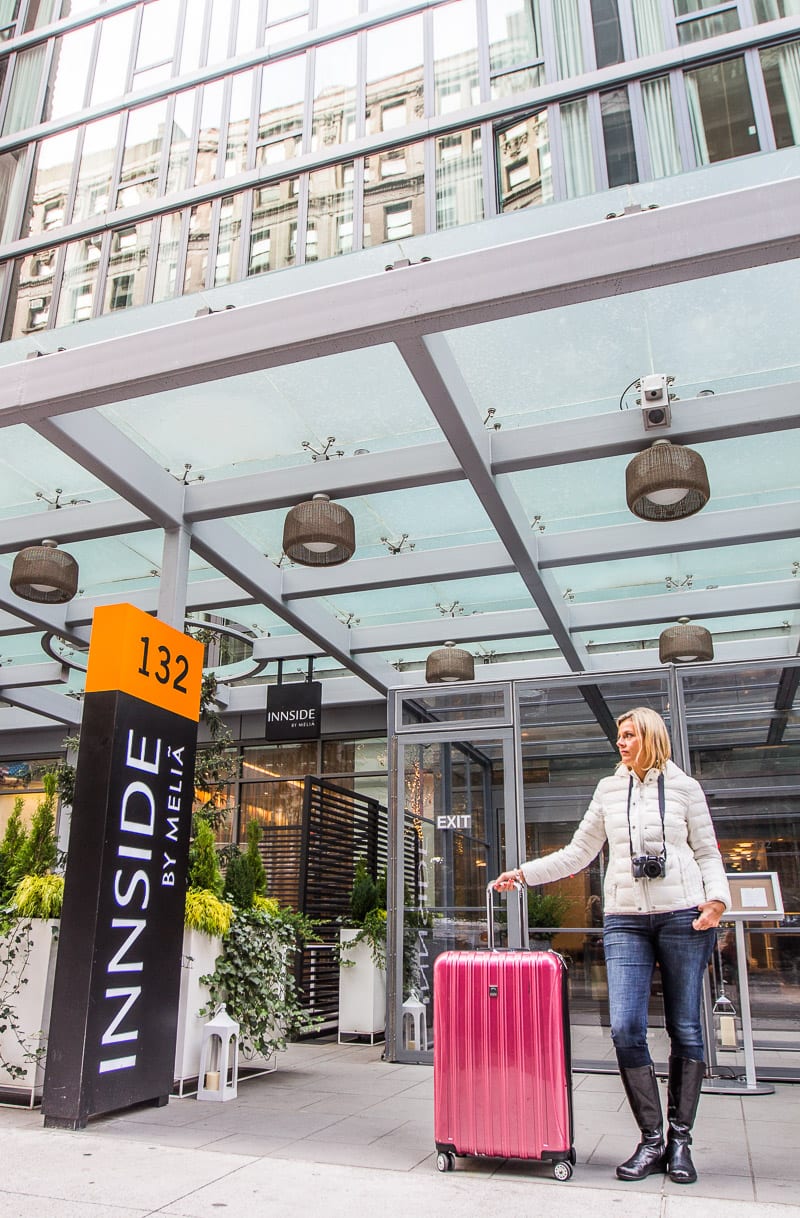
562	1170
446	1161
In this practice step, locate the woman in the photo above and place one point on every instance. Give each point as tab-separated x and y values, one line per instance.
664	893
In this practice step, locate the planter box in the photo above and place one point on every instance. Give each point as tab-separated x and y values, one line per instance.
200	954
362	991
31	974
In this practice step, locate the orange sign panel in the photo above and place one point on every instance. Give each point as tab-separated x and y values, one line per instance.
139	655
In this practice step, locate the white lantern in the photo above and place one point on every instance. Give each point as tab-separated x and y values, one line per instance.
415	1024
219	1058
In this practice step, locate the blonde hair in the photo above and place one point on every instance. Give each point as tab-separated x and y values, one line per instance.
655	751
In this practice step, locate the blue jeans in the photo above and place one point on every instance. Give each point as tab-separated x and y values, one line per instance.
634	944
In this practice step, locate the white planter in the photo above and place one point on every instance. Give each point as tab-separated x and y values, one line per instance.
362	991
31	975
200	954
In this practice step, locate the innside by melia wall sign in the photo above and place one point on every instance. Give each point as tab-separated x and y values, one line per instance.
117	982
294	711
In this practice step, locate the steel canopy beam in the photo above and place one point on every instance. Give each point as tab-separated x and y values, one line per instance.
230	553
434	368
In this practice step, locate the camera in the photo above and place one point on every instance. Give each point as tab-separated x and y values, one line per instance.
649	866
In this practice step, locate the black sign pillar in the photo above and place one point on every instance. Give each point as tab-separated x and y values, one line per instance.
117	982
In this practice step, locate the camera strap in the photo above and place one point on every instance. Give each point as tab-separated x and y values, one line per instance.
661	809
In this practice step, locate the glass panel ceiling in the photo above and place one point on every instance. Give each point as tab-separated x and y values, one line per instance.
577	360
419	602
365	399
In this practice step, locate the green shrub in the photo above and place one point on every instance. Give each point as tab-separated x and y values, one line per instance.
254	859
239	882
10	849
205	912
204	868
39	896
38	852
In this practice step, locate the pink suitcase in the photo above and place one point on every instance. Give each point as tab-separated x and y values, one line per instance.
501	1057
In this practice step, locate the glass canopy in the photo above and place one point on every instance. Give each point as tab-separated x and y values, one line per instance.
475	413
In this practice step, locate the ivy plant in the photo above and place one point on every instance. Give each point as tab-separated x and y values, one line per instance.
254	977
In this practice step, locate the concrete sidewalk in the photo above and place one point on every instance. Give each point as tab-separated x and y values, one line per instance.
338	1133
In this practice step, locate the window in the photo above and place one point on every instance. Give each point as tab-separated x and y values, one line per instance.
662	138
781	67
618	137
259	251
394	75
459	179
335	75
121	292
569	47
721	111
455	63
607	32
393	163
398	221
53	214
38	311
523	161
697	27
393	116
515	52
330	211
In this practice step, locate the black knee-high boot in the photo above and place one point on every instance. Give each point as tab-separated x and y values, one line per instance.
641	1089
683	1094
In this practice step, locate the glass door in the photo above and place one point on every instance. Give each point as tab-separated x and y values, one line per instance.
453	792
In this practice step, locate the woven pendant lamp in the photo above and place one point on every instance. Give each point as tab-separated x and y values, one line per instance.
685	643
449	664
45	574
666	482
318	533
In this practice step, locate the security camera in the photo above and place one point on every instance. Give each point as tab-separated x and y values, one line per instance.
654	400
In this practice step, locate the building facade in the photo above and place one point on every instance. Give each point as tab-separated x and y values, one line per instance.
151	150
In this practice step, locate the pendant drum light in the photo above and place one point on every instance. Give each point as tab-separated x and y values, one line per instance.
45	574
685	643
318	533
449	664
666	482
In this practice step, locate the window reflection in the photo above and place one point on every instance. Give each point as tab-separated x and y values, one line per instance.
236	157
208	137
330	212
226	269
280	123
142	158
169	246
514	41
523	163
273	235
68	86
181	142
335	74
54	164
394	203
459	178
111	71
394	75
79	282
455	62
197	253
126	278
100	142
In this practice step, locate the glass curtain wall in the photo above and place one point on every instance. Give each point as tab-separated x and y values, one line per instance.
736	729
391	121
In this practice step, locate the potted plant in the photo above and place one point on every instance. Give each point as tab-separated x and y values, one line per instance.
30	899
362	957
207	919
547	908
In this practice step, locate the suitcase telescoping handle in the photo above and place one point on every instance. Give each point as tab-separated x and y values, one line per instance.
490	909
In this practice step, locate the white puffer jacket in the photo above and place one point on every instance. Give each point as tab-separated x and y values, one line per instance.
694	872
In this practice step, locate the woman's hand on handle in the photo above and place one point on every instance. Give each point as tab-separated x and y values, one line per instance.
509	880
709	916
